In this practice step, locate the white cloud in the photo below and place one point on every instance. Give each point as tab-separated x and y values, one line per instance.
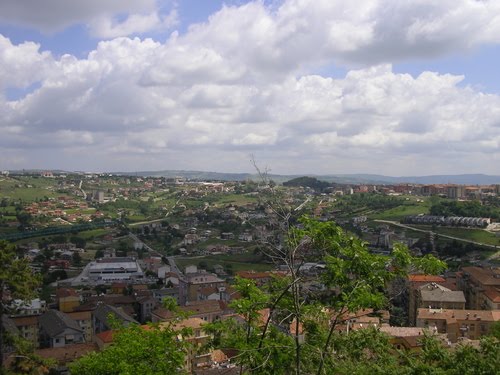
22	65
240	84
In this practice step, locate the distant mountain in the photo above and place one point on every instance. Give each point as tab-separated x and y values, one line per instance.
466	179
462	179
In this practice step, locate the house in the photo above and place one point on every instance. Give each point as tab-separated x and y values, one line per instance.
101	318
208	311
192	283
57	329
67	354
161	294
408	338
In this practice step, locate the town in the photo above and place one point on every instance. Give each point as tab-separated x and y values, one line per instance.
115	248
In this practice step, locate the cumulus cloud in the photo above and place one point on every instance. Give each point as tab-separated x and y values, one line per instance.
23	64
240	83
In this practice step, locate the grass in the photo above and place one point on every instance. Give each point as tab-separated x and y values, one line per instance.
17	189
94	233
477	235
407	208
236	199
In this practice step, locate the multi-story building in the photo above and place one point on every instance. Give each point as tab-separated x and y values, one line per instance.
456	191
84	321
67	299
192	283
28	328
481	287
414	283
471	324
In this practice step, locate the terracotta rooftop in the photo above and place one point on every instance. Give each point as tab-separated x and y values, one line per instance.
418	278
455	314
106	336
485	276
493	294
402	331
68	353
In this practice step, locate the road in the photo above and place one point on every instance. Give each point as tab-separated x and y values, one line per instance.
439	234
171	259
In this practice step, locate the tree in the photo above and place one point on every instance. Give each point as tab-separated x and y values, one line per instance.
356	277
79	242
146	350
77	259
17	280
26	361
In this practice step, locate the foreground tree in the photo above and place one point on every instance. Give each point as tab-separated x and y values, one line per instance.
356	280
17	281
151	350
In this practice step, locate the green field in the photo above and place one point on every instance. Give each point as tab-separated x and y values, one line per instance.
28	189
409	207
477	235
236	199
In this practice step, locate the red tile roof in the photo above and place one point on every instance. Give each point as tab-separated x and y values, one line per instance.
425	278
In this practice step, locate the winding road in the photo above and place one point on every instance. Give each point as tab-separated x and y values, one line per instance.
395	223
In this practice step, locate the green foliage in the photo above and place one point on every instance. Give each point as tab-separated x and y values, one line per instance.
16	280
261	354
357	278
311	182
361	201
79	242
136	350
25	361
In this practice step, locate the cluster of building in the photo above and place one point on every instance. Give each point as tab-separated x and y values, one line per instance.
64	208
80	319
462	305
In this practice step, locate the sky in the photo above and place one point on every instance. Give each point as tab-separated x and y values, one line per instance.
388	87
